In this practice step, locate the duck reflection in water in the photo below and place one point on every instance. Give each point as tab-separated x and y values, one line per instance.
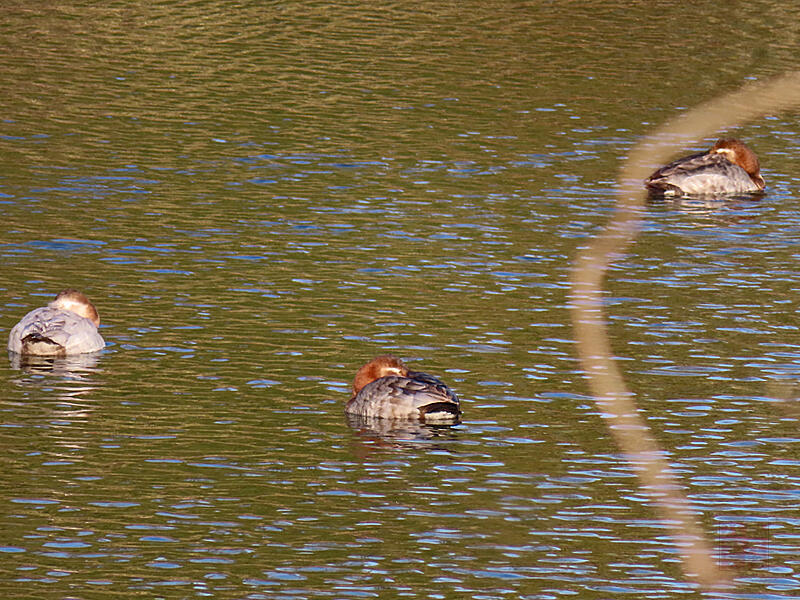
728	168
75	366
400	433
385	388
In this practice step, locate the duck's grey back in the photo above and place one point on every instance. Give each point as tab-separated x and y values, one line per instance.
51	331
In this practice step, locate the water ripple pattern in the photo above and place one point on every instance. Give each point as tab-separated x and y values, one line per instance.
261	197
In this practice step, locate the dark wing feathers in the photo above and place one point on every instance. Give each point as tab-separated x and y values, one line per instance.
700	160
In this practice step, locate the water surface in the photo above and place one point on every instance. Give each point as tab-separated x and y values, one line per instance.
261	198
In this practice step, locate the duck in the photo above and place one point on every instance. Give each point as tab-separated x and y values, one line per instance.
67	325
729	167
386	388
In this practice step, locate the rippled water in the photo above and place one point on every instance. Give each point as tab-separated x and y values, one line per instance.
261	198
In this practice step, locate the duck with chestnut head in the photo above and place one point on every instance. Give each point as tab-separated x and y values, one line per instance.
728	168
67	325
386	388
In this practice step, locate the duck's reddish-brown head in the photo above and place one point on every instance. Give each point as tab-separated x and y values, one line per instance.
77	302
738	153
380	366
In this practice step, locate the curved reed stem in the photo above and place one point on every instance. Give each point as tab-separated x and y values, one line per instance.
629	430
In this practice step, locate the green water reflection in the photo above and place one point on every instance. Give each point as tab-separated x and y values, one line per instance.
260	197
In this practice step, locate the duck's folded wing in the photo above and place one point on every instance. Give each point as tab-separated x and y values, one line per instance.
425	391
35	323
429	388
701	160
